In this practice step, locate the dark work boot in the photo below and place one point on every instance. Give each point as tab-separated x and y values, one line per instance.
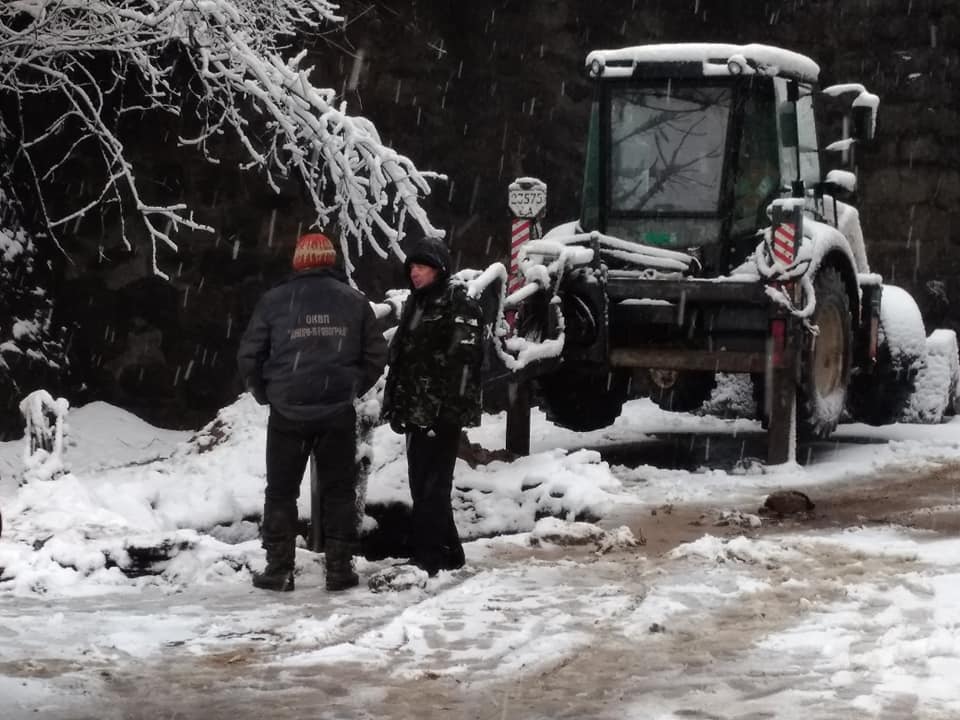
279	540
338	560
453	557
278	575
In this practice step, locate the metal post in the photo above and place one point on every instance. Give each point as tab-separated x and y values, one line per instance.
315	542
518	418
782	424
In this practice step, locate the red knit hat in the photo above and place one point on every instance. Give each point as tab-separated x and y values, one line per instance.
314	250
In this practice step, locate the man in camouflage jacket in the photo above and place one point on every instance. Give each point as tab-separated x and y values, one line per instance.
432	391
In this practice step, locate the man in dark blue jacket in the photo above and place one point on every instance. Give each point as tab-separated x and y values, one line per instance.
312	346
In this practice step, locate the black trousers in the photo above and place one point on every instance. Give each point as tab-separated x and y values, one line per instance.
430	461
289	446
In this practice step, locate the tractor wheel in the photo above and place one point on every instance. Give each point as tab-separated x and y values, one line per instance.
883	396
681	390
953	360
935	388
531	322
582	400
825	359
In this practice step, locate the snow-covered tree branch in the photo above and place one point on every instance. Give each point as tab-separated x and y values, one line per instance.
103	60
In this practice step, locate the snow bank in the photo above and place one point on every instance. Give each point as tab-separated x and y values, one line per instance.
150	506
186	512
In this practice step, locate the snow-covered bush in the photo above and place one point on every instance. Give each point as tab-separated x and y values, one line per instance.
733	396
243	421
43	442
222	67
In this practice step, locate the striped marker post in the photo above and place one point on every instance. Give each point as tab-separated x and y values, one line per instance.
781	374
784	246
786	236
527	198
519	234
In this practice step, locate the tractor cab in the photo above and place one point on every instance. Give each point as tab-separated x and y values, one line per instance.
688	145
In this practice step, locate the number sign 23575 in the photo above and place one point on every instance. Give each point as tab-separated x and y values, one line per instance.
527	203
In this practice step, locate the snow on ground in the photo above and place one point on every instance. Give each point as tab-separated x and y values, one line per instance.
859	623
854	451
80	531
822	624
99	436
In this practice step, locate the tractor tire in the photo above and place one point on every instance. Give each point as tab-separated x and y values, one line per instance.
953	399
825	359
582	400
532	322
681	390
936	385
883	396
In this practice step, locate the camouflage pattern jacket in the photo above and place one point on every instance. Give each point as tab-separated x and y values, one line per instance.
435	359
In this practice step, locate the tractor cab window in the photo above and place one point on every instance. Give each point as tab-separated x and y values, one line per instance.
803	139
667	148
757	180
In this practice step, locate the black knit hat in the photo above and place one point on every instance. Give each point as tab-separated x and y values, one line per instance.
432	252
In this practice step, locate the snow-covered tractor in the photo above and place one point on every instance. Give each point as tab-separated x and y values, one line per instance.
709	241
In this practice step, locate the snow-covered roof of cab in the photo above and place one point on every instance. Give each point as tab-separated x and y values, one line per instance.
699	59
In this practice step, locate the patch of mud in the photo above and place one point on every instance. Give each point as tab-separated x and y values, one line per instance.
43	668
926	500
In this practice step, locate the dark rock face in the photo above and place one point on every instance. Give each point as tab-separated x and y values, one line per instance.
486	91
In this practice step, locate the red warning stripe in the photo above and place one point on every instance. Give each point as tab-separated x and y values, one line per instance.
784	247
520	233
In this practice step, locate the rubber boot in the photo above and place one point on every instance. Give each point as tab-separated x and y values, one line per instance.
453	557
278	574
338	560
279	540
